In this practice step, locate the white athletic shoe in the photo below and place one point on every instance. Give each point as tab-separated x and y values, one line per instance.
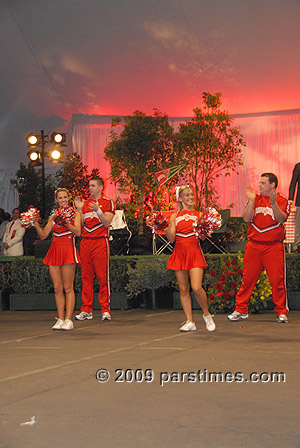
58	325
84	315
67	325
237	316
106	316
282	319
209	322
188	326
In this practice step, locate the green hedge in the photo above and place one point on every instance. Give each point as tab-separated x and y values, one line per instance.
30	275
26	275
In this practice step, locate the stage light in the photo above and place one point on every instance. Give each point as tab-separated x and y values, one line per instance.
56	155
33	140
34	157
58	139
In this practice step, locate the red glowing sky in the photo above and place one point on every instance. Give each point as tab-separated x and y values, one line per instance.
67	57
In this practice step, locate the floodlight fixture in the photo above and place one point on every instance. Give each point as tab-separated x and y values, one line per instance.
33	140
34	157
56	155
58	138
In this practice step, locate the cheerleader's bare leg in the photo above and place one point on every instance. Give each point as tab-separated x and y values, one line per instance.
184	290
68	274
56	275
196	276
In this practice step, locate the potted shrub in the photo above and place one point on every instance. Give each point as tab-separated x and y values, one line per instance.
32	288
118	280
5	282
293	280
149	273
237	234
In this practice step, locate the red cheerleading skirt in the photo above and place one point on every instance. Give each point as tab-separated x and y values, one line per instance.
186	255
62	252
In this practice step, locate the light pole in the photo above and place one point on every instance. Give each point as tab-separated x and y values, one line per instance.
43	173
37	157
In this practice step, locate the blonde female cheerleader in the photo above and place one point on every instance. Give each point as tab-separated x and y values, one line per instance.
62	256
187	259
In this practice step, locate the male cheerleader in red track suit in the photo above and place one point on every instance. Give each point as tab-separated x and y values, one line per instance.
97	214
266	213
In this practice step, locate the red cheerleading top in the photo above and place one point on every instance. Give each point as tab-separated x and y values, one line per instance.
184	226
264	227
92	225
62	250
62	233
187	252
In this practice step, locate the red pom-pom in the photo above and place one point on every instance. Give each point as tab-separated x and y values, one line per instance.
64	215
209	221
157	222
29	217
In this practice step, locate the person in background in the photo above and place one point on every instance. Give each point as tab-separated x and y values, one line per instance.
13	236
62	258
187	259
295	181
5	221
97	214
266	212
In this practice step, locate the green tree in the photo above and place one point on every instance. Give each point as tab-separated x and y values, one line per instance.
75	177
210	146
28	182
144	146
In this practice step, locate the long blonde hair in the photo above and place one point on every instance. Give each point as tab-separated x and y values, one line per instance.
61	189
179	191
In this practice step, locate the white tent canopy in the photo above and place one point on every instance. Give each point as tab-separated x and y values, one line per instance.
272	145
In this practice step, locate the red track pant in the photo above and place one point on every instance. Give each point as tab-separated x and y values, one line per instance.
94	255
259	256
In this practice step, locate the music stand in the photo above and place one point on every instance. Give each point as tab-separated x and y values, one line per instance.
119	234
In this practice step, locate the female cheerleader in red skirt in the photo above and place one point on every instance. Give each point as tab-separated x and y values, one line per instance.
187	259
62	258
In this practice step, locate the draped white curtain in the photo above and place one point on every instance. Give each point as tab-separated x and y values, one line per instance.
9	198
272	145
89	141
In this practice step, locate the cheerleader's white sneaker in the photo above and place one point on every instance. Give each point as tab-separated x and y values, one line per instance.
58	325
67	325
209	322
188	326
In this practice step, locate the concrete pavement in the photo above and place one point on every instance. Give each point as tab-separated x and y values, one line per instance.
236	387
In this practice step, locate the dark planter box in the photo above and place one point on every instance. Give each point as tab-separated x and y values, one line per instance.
32	302
294	300
177	303
37	302
119	301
